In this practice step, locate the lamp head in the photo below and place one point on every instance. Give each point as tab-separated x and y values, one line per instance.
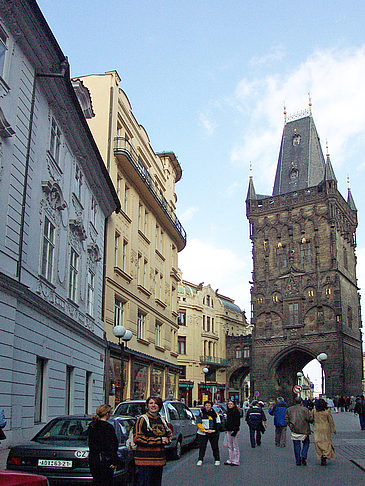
127	335
205	370
322	357
119	331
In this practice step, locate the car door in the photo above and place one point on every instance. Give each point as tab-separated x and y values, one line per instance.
185	422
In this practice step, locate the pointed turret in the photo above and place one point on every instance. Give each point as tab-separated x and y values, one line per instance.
329	172
350	199
251	193
301	163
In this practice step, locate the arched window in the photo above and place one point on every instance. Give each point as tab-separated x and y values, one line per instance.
238	352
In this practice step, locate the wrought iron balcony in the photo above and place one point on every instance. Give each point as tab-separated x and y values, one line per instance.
212	360
123	147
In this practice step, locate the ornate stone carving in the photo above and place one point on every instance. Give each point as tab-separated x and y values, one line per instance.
77	227
54	195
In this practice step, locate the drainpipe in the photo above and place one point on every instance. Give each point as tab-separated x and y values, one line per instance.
64	68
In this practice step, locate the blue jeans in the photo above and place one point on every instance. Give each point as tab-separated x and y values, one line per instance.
149	475
301	449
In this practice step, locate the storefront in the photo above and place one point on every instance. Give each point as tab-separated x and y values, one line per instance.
186	392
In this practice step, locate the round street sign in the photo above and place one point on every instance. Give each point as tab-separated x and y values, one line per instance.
256	393
297	388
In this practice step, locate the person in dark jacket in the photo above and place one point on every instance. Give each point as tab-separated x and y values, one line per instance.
232	429
256	420
278	410
360	409
103	447
208	422
151	439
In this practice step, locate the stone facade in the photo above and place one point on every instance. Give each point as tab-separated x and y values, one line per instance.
304	295
142	245
206	319
55	195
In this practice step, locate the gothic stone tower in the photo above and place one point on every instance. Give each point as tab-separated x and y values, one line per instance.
304	292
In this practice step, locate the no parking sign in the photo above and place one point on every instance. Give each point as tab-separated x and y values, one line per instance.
297	388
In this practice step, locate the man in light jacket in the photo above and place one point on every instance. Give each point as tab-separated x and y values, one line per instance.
299	418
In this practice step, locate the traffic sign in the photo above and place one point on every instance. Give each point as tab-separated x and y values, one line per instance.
256	393
297	388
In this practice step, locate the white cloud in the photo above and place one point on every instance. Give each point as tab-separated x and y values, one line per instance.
276	53
208	124
335	80
219	267
188	214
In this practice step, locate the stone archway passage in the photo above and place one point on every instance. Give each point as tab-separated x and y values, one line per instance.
236	381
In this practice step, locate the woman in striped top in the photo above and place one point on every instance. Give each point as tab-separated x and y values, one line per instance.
150	456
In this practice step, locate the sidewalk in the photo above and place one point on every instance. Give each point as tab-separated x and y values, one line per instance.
350	440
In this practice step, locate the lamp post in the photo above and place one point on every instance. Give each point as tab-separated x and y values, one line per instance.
299	376
205	371
123	335
322	358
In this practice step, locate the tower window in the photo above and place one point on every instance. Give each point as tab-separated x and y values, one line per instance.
281	259
305	252
294	314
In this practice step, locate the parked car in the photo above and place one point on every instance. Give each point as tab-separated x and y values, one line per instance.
60	452
179	417
12	478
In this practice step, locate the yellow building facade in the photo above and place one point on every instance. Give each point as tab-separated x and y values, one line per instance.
205	319
142	245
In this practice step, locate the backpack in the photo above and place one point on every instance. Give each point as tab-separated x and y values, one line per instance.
130	441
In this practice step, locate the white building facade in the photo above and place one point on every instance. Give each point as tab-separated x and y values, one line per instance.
56	196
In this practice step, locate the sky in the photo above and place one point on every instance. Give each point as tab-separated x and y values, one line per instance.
208	80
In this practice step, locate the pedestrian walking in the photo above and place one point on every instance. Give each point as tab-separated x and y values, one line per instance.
103	447
208	422
324	427
299	418
278	410
232	428
360	409
151	439
257	423
2	424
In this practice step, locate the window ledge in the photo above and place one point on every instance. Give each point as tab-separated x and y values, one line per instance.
159	348
160	303
144	237
160	255
143	341
125	215
121	272
142	289
175	355
49	284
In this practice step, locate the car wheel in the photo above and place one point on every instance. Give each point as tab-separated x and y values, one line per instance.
178	449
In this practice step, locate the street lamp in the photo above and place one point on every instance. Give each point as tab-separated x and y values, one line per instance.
299	376
126	335
322	358
205	371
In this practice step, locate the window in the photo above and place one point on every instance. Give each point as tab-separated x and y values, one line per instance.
144	274
90	293
119	182
78	183
349	317
246	352
73	275
203	323
140	325
125	201
182	372
328	291
212	324
116	247
345	259
140	213
3	49
93	211
55	141
40	391
48	250
181	318
68	390
145	222
281	260
275	298
208	324
305	252
310	292
181	345
207	300
118	312
158	327
139	268
124	255
238	353
294	314
88	392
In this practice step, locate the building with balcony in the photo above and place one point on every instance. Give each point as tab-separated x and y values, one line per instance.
55	195
143	242
205	320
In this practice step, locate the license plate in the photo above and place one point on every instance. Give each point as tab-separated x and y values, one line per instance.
54	463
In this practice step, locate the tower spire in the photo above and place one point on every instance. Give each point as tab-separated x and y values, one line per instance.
251	193
350	199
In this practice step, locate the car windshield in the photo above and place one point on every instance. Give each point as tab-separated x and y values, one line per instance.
217	408
131	409
74	429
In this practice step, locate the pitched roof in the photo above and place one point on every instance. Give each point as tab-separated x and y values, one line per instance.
301	163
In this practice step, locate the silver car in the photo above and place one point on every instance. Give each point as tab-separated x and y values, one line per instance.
179	417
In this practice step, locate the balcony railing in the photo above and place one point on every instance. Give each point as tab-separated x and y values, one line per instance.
212	360
123	147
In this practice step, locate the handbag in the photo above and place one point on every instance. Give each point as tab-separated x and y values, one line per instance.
2	434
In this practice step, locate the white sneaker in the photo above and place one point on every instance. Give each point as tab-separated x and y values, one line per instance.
217	463
199	463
